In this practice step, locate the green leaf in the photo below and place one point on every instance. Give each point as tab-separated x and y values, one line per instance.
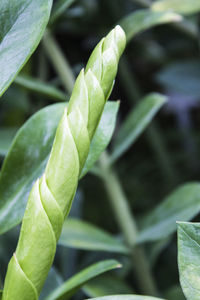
67	289
188	258
29	155
59	8
25	162
183	204
6	137
106	285
185	7
85	236
136	122
141	20
53	281
37	86
126	297
103	134
22	24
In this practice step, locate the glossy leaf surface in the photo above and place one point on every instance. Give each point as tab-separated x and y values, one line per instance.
37	86
141	20
67	289
82	235
136	122
180	6
126	297
22	24
188	258
6	137
183	204
29	153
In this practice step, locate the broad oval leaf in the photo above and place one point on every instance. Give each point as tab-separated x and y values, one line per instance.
28	155
180	6
183	204
25	162
82	235
126	297
136	122
68	288
188	259
141	20
22	24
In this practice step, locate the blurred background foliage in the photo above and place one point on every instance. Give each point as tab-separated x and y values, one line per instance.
162	59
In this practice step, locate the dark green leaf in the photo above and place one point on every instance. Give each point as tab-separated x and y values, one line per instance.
82	235
103	134
67	289
28	155
106	285
136	122
1	294
183	204
22	24
25	162
185	7
37	86
188	258
141	20
126	297
6	137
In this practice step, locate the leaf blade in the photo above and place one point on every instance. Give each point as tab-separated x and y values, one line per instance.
188	258
182	204
179	6
136	122
21	25
66	290
82	235
143	19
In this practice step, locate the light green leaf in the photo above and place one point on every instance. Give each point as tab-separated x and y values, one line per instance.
188	259
183	204
103	134
59	8
37	86
141	20
67	289
6	137
185	7
82	235
106	285
22	24
136	122
28	155
126	297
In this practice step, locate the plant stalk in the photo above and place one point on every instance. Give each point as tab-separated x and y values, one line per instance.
127	225
59	61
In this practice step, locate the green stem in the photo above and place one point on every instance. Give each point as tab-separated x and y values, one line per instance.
59	61
127	225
